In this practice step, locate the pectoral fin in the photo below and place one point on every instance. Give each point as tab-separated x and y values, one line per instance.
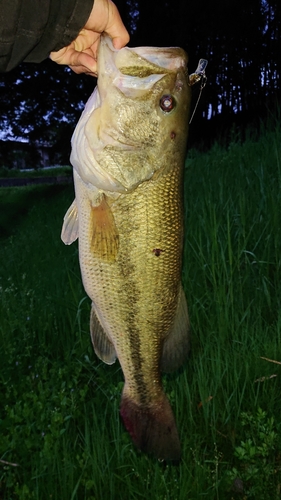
69	231
103	346
176	345
105	238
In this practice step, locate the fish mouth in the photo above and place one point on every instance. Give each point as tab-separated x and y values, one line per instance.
169	58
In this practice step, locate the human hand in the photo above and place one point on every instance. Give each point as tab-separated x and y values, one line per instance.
81	54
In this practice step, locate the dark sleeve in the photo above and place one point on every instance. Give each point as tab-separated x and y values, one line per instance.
31	29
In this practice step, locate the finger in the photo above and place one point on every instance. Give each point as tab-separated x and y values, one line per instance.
86	39
73	58
115	28
59	55
81	69
83	59
120	41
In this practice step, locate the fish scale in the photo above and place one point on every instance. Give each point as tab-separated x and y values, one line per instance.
145	221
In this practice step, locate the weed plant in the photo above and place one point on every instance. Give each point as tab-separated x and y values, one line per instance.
60	433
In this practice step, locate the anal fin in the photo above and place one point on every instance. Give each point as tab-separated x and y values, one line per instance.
103	346
176	345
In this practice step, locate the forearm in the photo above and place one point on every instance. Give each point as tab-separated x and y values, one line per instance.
31	29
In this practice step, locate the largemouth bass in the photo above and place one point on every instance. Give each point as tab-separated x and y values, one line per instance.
128	152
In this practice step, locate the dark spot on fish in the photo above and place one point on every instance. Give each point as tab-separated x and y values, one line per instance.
173	135
167	103
157	251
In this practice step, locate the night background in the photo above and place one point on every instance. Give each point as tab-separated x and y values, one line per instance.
41	103
61	436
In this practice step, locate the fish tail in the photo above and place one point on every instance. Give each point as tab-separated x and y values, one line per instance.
152	428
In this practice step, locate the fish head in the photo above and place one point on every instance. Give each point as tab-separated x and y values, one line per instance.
136	121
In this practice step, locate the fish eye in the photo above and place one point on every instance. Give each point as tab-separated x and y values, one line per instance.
167	103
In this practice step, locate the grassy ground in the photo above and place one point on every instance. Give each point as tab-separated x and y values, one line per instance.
40	172
60	433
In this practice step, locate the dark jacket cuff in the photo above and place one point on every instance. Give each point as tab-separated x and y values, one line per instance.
31	29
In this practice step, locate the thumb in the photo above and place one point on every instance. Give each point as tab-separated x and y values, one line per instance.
116	29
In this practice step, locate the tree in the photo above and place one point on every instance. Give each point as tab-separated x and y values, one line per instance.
240	39
37	98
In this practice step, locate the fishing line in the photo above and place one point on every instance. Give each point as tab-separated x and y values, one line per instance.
198	76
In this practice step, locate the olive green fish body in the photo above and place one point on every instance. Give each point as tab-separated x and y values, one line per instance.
128	216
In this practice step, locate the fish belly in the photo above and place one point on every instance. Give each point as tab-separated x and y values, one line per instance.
135	297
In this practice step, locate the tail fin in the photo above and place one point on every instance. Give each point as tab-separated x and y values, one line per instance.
153	429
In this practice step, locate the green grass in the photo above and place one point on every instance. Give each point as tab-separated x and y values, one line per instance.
60	433
39	172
